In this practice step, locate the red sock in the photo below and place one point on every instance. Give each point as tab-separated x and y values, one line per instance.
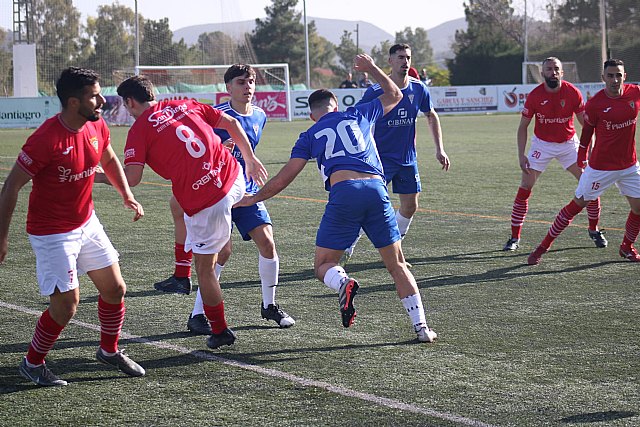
562	221
632	229
111	318
46	333
215	314
183	261
593	212
519	212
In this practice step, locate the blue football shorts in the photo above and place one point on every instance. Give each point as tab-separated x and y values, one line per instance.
404	179
247	218
355	204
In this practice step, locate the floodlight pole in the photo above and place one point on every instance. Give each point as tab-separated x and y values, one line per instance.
526	45
604	49
137	54
306	44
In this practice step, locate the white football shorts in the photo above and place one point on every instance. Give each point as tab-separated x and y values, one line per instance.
594	182
542	152
61	257
210	229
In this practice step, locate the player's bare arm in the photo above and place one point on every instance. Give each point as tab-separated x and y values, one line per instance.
116	176
16	179
586	137
522	144
392	94
276	184
436	132
254	168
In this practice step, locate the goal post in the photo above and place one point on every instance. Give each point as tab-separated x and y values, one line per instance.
531	72
273	87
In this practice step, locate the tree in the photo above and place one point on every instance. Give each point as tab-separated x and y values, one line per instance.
346	51
322	53
421	51
157	46
113	33
55	29
6	70
578	15
490	50
280	37
380	54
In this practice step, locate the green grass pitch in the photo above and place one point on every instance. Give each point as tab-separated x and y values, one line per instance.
555	344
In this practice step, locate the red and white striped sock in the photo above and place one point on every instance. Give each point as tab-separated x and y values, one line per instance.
183	261
519	212
562	221
631	229
593	212
45	336
111	318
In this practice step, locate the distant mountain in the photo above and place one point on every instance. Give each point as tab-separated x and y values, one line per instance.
330	29
442	36
369	35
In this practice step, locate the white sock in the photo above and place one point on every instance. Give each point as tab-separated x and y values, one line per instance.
403	223
268	270
198	305
415	310
334	277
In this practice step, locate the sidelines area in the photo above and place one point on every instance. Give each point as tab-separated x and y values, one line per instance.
382	401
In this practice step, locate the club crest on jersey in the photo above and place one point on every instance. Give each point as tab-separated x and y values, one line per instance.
94	142
632	104
411	96
562	103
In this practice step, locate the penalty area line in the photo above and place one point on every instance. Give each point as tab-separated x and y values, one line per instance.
343	391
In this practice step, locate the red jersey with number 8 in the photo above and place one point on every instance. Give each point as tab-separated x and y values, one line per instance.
176	139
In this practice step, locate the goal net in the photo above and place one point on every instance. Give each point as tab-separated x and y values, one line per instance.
206	84
531	71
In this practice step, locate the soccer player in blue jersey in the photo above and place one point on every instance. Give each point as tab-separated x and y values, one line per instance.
395	137
253	222
342	145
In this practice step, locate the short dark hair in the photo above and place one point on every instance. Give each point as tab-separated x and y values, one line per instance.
72	82
613	63
398	46
237	70
320	96
550	58
139	88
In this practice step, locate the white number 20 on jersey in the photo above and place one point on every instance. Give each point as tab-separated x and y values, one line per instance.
347	141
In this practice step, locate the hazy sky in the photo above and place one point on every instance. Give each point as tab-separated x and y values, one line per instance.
391	16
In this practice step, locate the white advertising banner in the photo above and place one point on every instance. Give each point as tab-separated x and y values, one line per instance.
27	112
346	98
511	98
464	99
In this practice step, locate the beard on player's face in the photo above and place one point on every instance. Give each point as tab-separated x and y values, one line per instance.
552	82
89	114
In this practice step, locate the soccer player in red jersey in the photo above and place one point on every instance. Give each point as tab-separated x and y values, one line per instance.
612	114
61	157
553	105
176	139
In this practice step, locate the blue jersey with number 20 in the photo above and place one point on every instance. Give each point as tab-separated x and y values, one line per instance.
343	141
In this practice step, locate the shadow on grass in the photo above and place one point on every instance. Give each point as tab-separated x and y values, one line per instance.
254	358
598	417
68	369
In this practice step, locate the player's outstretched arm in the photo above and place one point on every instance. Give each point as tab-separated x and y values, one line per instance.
116	176
276	184
392	94
16	179
254	168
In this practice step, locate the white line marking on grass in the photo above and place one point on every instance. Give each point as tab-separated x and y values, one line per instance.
382	401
